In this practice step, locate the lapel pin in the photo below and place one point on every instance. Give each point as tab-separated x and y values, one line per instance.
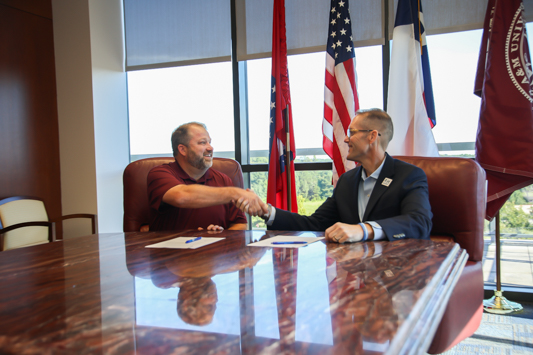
386	182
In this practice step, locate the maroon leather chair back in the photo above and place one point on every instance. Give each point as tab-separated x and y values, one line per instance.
136	206
457	196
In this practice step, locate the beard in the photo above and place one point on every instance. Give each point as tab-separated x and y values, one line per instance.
198	161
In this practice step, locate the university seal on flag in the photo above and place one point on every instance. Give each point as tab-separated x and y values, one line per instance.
517	55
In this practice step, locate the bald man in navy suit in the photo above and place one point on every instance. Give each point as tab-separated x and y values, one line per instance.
383	198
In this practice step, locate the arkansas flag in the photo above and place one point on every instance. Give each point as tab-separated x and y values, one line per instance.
278	167
504	144
410	100
340	92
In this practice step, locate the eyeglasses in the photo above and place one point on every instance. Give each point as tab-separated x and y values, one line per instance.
352	132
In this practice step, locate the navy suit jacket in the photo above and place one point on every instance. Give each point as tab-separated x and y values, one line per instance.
402	209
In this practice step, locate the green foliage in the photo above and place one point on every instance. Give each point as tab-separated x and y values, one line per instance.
311	206
312	188
514	219
517	198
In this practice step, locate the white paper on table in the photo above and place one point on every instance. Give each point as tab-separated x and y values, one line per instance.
285	238
181	243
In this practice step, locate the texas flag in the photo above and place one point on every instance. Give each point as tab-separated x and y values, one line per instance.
410	101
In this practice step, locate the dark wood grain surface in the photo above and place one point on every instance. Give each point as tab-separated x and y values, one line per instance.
109	294
29	130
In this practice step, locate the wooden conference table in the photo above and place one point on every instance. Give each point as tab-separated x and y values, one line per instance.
107	293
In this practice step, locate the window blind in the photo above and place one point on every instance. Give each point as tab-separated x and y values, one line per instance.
164	33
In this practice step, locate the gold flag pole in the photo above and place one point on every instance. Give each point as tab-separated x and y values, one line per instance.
497	303
288	158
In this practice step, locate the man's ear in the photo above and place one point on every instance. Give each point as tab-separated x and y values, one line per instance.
182	149
373	137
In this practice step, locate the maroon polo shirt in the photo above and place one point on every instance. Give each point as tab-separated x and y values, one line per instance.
166	217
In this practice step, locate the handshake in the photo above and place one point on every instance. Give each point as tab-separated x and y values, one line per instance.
248	202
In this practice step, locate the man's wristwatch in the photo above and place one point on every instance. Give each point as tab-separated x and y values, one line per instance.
265	217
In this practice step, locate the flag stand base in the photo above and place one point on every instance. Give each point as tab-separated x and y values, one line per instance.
500	305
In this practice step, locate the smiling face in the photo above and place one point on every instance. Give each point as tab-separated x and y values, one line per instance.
357	139
199	151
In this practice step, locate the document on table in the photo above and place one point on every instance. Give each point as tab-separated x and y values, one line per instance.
286	241
185	243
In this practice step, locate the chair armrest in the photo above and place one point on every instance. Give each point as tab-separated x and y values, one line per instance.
51	230
93	217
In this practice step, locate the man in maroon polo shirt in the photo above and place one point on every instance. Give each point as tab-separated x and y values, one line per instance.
188	194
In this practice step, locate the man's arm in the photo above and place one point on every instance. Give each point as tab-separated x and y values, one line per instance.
238	226
198	196
349	233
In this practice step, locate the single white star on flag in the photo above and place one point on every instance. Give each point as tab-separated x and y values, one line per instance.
343	32
346	20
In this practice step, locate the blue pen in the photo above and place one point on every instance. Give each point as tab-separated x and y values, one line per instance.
193	240
277	243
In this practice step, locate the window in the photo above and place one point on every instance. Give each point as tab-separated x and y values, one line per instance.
162	99
453	60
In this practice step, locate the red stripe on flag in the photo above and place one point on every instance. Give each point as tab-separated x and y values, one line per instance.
340	105
350	71
328	113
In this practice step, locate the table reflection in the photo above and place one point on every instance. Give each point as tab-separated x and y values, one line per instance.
192	282
340	298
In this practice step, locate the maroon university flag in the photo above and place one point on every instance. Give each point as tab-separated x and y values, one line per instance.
504	144
280	98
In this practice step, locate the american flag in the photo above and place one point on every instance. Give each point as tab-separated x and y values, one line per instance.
340	93
278	189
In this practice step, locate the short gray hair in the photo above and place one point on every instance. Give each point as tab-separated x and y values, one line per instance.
181	135
377	117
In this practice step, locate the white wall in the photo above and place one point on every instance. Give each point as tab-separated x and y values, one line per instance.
92	110
110	104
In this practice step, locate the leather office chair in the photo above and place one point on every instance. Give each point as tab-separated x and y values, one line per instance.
137	211
24	222
458	197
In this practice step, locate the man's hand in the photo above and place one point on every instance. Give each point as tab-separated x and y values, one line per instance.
250	203
344	233
212	227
